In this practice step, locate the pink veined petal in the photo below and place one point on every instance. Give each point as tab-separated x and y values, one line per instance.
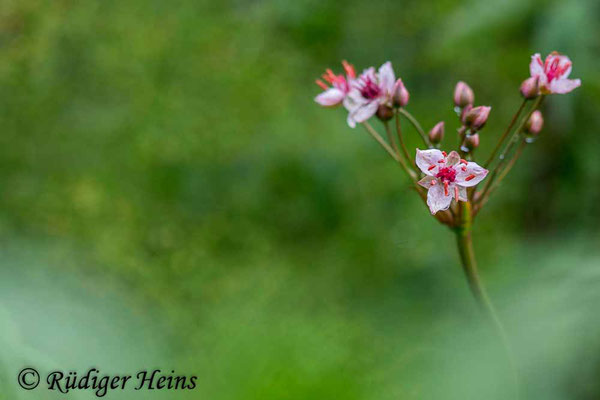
437	200
453	159
428	161
364	112
562	86
562	60
427	181
470	174
536	66
331	97
387	78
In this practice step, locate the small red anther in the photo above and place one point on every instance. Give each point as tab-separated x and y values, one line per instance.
444	154
456	192
463	161
349	68
322	84
446	188
433	182
430	168
464	169
468	178
441	161
329	77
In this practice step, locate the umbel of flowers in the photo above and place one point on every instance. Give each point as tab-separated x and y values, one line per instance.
451	183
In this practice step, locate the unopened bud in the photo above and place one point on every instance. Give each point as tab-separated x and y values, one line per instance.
385	113
477	117
463	95
472	141
535	123
436	134
400	95
530	88
464	112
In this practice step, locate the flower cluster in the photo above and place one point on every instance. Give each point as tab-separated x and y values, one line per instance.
450	179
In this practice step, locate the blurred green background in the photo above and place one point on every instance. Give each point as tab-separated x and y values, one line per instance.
171	197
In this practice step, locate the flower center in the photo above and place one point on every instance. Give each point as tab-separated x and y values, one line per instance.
446	174
369	88
554	70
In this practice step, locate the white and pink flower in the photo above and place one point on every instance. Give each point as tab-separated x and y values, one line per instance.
552	73
447	177
370	90
340	86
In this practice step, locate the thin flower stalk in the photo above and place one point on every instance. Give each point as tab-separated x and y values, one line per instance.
417	126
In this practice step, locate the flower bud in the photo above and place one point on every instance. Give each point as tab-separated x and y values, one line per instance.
463	94
385	113
436	134
464	112
535	123
472	141
400	95
530	88
477	117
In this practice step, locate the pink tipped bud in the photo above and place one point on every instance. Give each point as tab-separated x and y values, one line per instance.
400	94
385	113
535	123
477	117
472	142
436	134
530	88
463	95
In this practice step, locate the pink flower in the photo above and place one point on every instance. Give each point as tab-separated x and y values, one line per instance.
447	177
340	86
553	73
368	91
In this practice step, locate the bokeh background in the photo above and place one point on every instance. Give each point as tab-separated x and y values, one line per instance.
171	197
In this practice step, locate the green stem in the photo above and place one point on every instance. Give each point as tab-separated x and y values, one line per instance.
469	263
401	140
417	126
505	134
490	181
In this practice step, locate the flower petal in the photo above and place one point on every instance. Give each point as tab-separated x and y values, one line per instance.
562	86
536	66
470	174
331	97
387	78
462	193
437	200
428	181
428	161
452	159
364	112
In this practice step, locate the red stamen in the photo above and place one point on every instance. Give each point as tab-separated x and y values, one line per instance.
432	167
470	177
446	188
322	84
329	77
464	169
444	154
463	161
349	68
441	161
456	192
